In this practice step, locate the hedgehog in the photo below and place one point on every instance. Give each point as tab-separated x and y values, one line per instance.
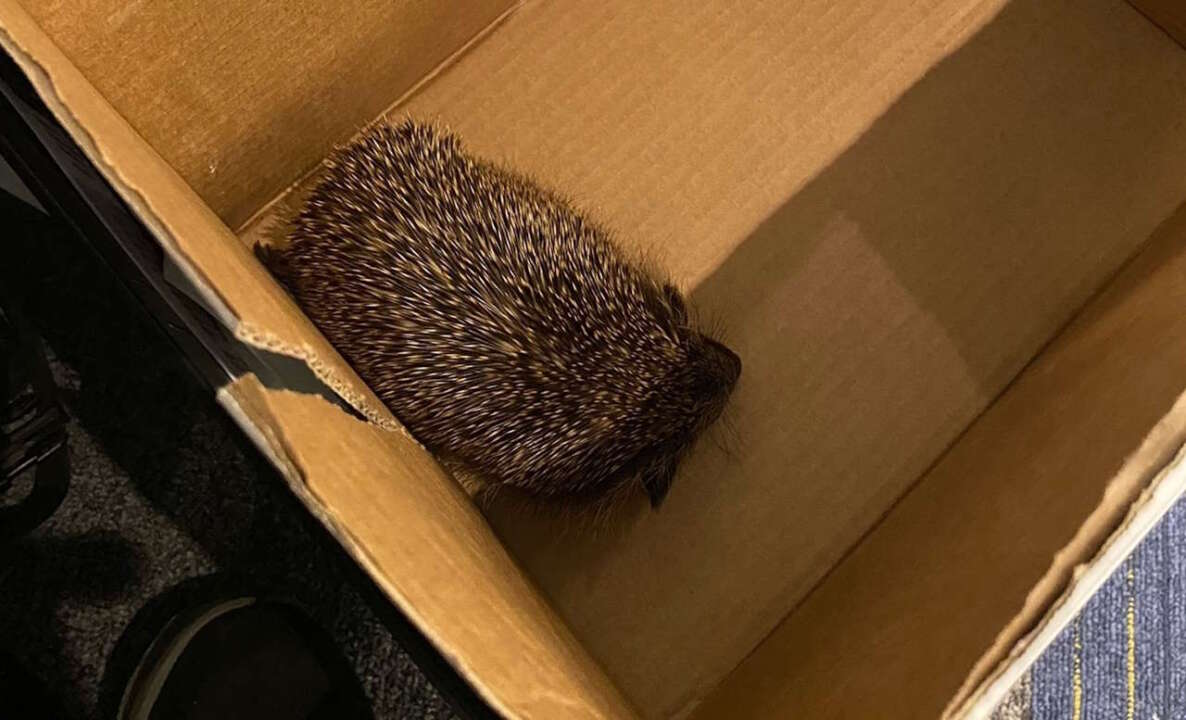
503	327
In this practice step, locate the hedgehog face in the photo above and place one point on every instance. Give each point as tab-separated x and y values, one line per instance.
687	401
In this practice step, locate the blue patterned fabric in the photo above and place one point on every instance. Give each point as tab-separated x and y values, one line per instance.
1125	655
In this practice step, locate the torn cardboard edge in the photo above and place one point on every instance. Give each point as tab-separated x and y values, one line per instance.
1152	479
274	370
48	87
269	342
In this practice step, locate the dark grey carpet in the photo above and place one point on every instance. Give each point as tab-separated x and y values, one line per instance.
164	492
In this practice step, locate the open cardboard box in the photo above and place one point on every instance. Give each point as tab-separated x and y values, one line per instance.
945	237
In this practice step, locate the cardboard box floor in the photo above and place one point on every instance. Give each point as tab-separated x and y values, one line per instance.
893	207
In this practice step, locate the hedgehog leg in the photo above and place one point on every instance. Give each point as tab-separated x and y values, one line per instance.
275	260
657	477
473	483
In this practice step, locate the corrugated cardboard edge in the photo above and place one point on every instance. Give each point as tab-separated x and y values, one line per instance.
96	127
1150	482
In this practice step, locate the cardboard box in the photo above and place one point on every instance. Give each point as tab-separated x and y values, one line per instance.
1168	14
946	237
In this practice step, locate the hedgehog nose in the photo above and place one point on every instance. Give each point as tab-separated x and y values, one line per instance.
730	361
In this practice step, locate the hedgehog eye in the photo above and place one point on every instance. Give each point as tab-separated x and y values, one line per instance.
676	302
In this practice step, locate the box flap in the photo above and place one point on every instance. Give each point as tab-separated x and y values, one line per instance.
242	98
442	567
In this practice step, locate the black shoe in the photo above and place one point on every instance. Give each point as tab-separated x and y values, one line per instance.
243	658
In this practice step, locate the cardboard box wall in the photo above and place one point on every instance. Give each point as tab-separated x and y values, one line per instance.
897	209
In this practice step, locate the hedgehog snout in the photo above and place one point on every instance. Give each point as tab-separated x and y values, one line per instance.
727	361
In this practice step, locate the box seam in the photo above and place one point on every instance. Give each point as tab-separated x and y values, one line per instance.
261	214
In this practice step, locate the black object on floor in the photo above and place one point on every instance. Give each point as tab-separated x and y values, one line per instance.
238	656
